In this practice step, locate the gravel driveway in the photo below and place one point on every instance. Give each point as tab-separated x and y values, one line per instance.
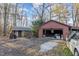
26	47
45	47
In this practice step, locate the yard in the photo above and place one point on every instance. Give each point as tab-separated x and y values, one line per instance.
33	47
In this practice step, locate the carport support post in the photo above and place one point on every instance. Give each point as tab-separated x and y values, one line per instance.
64	36
40	33
60	36
45	33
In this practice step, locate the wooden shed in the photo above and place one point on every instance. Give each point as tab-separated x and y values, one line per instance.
53	28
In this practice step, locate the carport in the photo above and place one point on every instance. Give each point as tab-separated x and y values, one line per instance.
22	31
54	29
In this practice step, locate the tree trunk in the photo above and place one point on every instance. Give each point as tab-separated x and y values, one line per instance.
59	18
50	13
15	15
75	21
42	12
5	14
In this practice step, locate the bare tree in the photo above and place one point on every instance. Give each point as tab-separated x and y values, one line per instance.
39	10
76	14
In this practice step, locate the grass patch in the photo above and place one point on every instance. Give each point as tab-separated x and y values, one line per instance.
67	52
62	50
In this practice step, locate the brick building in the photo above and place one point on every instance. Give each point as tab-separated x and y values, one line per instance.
52	28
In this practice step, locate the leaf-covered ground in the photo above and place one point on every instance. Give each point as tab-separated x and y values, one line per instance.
31	47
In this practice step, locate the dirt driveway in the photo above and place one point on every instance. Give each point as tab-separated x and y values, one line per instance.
29	47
